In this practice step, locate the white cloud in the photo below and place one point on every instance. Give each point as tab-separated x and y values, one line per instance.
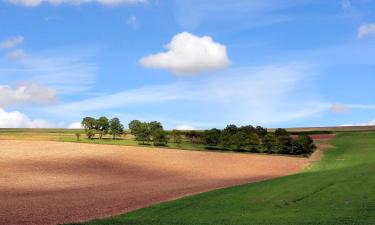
34	3
26	93
366	29
75	125
12	42
185	127
346	4
17	54
17	119
339	108
188	54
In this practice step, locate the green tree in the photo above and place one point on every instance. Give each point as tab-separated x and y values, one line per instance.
269	143
212	137
226	137
143	133
261	131
159	137
102	126
89	124
303	145
134	126
116	128
283	140
155	126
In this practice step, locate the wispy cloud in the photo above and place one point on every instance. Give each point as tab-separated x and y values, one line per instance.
366	29
69	72
132	21
191	13
34	3
12	42
262	95
346	4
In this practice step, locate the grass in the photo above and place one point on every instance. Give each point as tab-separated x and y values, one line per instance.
338	190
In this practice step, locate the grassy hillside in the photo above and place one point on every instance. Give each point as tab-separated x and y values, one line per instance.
338	190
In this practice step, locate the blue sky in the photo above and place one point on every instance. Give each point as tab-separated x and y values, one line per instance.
188	64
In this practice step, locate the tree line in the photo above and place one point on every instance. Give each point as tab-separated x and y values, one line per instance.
249	139
102	126
231	138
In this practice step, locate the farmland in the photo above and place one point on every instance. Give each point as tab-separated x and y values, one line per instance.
47	182
337	190
64	180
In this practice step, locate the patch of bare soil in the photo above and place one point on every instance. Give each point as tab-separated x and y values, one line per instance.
43	182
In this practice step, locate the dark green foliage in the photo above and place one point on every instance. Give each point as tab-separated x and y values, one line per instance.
116	128
269	143
142	133
134	125
145	132
102	126
261	131
159	137
303	145
211	137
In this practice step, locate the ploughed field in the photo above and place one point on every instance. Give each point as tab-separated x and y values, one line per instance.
45	182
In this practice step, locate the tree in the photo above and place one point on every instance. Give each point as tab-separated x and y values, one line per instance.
231	129
116	128
155	126
226	137
261	132
89	124
269	143
102	126
212	137
143	133
247	129
304	144
159	137
284	141
240	140
134	126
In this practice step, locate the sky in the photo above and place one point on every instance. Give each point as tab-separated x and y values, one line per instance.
191	64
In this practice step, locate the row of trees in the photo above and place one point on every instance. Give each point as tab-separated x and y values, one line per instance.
146	132
244	138
102	126
257	139
248	139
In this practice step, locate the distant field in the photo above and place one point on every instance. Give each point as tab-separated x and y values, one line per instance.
338	190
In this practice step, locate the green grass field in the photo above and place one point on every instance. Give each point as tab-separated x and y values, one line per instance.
338	190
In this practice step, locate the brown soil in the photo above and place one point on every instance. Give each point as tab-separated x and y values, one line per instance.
45	182
322	137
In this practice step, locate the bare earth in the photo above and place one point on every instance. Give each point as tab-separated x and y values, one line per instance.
45	182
